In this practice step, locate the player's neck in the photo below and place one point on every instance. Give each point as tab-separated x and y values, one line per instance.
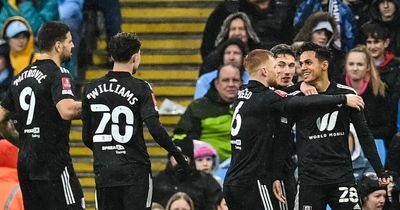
255	78
122	67
48	55
322	85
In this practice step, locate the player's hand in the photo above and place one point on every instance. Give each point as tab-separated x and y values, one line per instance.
277	189
307	89
354	101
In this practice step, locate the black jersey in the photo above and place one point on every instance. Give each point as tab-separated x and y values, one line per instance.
322	141
256	121
113	110
33	96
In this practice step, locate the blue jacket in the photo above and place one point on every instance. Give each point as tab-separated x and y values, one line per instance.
36	14
347	31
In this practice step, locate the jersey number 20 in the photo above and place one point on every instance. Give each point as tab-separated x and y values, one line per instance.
114	116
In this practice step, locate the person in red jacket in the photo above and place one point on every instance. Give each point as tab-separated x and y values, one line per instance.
10	196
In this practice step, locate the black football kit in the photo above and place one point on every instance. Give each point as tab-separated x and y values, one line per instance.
255	146
114	108
324	160
45	171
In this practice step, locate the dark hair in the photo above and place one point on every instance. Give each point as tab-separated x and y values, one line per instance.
50	33
225	65
123	45
321	53
368	184
282	49
232	41
375	31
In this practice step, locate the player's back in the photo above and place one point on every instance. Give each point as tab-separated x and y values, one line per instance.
114	108
43	133
252	131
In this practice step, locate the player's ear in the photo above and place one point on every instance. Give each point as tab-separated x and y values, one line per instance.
325	65
58	46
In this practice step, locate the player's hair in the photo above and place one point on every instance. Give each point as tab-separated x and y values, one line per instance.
123	45
321	53
178	196
50	33
225	65
255	59
378	86
282	49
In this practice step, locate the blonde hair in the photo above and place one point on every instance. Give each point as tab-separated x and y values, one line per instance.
178	196
255	59
378	86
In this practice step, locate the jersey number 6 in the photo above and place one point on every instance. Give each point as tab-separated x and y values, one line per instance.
100	136
237	118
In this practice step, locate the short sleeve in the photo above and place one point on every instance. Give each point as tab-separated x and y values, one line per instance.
149	103
61	87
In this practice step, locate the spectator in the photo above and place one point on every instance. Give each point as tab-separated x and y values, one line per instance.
271	20
209	118
393	166
157	206
200	186
35	12
205	156
232	51
20	43
362	75
180	201
360	10
387	14
236	25
320	28
10	195
373	196
221	204
385	62
71	14
344	19
6	73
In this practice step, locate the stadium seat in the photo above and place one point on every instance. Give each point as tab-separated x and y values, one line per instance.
380	146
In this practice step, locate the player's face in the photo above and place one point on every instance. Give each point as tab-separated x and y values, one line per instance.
356	66
67	46
19	43
233	55
311	67
377	47
285	69
204	164
180	204
375	200
270	71
237	29
228	83
387	8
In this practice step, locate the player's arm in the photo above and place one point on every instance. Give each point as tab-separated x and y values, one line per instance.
7	128
69	109
367	143
162	138
87	136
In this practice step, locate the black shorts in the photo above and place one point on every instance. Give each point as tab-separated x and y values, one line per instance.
258	196
132	197
64	193
338	196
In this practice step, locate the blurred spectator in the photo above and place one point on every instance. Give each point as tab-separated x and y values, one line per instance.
385	62
360	163
36	12
320	28
372	195
6	73
236	25
206	158
232	51
20	42
342	15
362	75
10	196
157	206
387	13
360	10
209	118
221	204
200	186
180	201
271	20
393	166
71	14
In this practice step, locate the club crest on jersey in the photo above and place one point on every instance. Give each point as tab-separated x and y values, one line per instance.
66	85
281	93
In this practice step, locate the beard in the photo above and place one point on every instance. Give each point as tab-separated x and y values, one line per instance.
65	58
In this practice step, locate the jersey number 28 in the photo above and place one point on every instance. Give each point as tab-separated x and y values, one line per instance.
100	136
